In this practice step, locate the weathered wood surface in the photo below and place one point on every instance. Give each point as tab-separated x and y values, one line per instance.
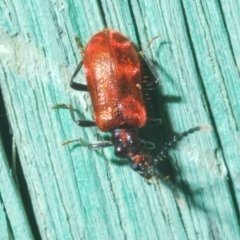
77	193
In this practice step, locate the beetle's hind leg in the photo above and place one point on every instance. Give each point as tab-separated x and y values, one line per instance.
81	123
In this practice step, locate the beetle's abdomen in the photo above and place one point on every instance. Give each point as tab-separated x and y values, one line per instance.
114	81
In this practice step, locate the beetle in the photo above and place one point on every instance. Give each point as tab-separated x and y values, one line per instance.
114	82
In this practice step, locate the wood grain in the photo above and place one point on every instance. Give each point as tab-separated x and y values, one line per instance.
77	193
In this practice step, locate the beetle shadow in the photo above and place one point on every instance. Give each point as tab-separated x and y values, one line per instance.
191	195
155	104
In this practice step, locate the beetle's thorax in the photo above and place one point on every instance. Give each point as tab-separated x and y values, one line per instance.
126	141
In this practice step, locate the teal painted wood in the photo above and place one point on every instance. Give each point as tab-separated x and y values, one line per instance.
5	231
77	193
11	205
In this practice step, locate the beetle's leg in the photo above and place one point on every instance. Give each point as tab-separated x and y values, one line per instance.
78	86
150	42
97	145
82	123
153	122
149	145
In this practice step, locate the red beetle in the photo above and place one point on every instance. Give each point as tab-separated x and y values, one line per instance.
114	82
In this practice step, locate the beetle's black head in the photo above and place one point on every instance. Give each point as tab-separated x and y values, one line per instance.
127	142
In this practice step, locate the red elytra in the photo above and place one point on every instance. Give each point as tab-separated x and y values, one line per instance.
114	81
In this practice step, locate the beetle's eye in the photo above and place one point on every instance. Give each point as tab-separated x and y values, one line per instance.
121	152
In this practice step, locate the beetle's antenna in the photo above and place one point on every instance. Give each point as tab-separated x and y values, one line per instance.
178	138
